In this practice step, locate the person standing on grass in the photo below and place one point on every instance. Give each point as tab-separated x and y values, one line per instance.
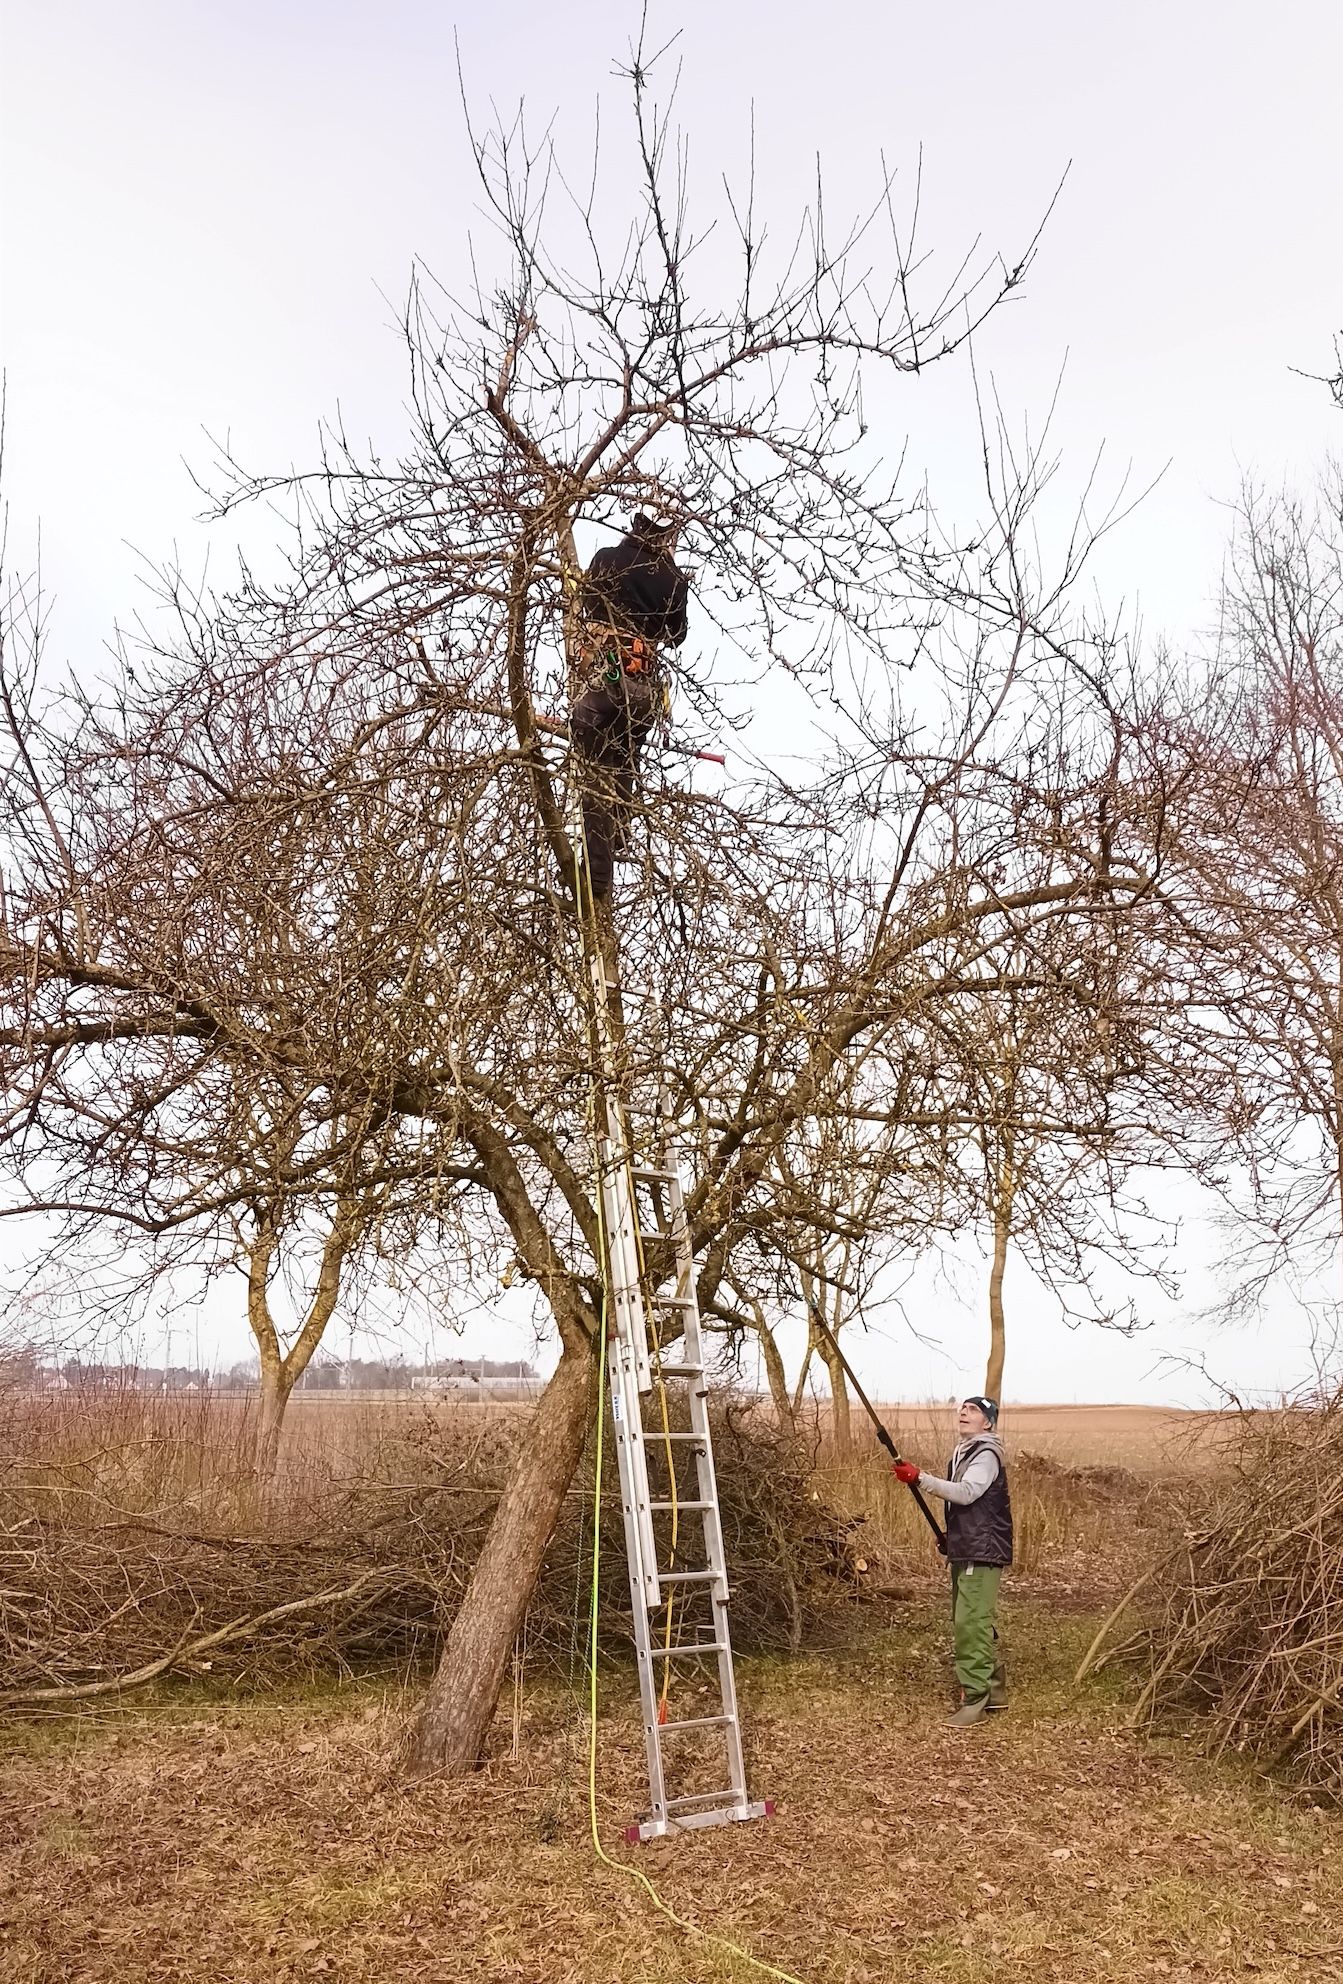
979	1550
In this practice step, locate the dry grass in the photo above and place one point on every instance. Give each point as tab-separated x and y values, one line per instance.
1089	1488
190	1455
274	1843
132	1531
1146	1440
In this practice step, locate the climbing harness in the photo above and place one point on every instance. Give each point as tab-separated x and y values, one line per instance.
623	653
606	654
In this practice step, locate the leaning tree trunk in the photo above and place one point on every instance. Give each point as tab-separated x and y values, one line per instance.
450	1730
775	1374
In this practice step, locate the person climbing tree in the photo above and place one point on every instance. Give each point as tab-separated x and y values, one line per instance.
633	603
979	1550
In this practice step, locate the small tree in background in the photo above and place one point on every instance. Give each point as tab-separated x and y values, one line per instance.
1258	883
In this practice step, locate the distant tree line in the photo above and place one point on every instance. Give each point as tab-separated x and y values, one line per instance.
28	1369
326	1374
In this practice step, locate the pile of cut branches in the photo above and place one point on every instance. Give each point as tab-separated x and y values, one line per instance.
112	1575
1244	1616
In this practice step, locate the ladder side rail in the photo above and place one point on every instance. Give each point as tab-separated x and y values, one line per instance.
727	1694
720	1594
708	1479
678	1234
707	1473
629	1451
625	1377
622	1245
615	1155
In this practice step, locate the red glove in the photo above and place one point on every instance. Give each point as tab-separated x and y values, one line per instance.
905	1470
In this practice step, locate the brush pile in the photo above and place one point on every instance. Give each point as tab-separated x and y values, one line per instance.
1246	1628
135	1543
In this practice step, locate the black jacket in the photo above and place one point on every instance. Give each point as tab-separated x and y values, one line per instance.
638	588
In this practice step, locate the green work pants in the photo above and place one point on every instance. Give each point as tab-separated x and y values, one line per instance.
974	1609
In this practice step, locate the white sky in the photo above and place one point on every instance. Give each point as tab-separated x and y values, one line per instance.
210	209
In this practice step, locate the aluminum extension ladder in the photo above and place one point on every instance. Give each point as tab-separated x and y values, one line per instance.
696	1769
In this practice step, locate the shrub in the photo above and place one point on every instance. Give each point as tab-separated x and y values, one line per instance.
1243	1628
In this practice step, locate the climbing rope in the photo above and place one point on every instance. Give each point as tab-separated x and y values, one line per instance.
623	1866
594	1598
587	921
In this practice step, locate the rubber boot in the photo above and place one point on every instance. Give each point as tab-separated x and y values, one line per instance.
998	1687
970	1712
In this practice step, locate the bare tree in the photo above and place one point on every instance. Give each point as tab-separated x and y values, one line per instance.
206	959
405	690
1259	878
1044	1093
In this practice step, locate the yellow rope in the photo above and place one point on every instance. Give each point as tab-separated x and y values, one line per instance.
585	918
623	1866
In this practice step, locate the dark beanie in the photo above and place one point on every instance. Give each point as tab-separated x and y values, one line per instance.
988	1406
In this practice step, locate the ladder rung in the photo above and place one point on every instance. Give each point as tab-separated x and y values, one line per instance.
653	1437
674	1301
689	1577
696	1722
647	1175
728	1797
680	1371
688	1508
691	1647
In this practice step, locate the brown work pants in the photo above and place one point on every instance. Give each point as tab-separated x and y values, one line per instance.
608	727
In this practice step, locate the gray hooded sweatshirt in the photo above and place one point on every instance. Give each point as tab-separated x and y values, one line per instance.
978	1476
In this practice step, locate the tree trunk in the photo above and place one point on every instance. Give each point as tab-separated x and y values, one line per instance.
775	1375
276	1385
1336	1120
777	1379
281	1369
839	1397
450	1730
1002	1233
800	1388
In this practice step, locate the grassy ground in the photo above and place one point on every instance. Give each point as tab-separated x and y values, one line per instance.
272	1839
229	1830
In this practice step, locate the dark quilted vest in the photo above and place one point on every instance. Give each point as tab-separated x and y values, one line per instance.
981	1533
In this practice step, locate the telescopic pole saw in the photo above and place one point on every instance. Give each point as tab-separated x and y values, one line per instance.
871	1411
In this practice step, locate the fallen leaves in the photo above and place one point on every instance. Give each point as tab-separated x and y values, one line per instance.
277	1843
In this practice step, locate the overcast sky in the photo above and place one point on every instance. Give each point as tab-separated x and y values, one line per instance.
211	211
